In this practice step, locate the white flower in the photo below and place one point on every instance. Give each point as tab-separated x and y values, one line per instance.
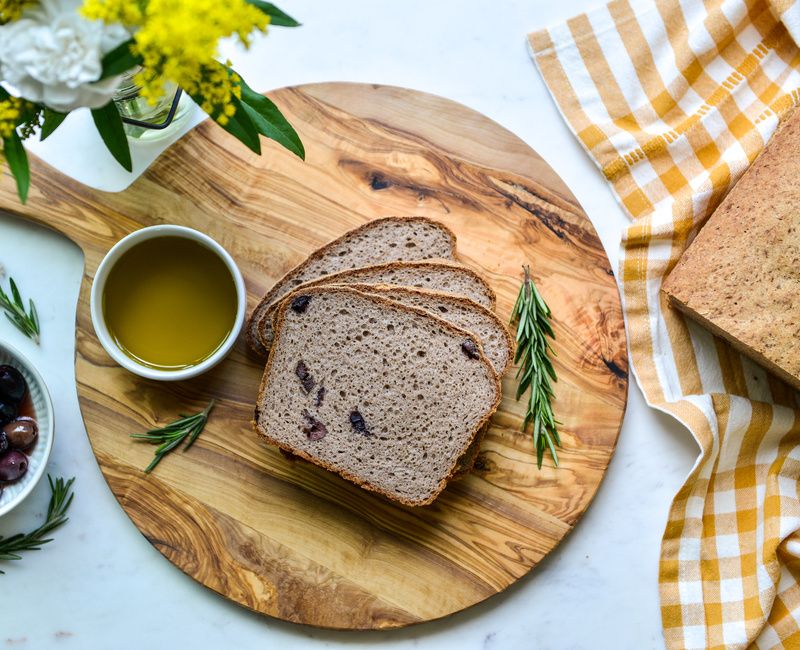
52	55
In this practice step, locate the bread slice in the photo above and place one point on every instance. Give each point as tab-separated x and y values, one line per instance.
440	275
467	461
386	395
740	277
461	312
381	240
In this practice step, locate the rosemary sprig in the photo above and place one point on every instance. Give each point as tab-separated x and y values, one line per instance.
14	308
532	316
171	436
60	500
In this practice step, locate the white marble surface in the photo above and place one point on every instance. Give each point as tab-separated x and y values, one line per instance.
101	585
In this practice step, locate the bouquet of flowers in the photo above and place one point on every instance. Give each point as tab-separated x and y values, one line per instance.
60	55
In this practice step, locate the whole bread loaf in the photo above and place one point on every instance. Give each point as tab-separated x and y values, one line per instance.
740	277
381	240
439	275
386	395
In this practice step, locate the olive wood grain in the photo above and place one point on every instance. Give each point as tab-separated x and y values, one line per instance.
286	538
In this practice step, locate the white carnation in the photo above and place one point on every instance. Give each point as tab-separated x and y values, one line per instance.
53	55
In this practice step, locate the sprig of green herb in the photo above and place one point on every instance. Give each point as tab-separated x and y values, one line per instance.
171	436
14	308
60	500
532	316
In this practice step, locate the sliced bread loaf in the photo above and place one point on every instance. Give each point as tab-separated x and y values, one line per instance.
381	240
439	275
386	395
461	312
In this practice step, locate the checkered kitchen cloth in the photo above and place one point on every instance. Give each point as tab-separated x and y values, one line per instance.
673	99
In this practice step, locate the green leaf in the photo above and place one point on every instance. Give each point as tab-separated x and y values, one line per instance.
171	436
277	17
15	293
119	60
60	501
535	372
17	159
52	120
34	315
552	448
270	122
109	125
241	127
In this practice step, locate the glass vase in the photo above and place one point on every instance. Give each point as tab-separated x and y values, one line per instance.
146	121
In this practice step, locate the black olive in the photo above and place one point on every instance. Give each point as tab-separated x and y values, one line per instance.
469	348
314	429
8	411
20	433
301	370
12	384
13	465
300	304
358	423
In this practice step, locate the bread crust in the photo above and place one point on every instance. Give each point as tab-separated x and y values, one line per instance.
253	324
331	278
340	289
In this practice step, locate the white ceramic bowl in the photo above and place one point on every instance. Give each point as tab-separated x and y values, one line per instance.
14	493
96	306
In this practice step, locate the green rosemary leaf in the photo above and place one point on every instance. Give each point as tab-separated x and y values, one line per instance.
523	386
60	501
14	308
34	315
171	436
532	317
15	294
549	441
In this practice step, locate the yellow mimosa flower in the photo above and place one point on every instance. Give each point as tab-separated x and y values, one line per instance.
12	9
10	113
177	41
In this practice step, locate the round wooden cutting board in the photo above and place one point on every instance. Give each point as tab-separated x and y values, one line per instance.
289	539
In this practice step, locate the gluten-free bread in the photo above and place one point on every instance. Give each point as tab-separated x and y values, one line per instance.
459	311
438	275
386	395
381	240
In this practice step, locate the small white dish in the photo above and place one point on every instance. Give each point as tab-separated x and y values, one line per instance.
14	493
99	283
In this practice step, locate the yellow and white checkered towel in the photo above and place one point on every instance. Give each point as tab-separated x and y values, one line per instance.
674	99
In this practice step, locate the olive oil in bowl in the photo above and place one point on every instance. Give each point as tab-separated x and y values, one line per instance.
169	302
